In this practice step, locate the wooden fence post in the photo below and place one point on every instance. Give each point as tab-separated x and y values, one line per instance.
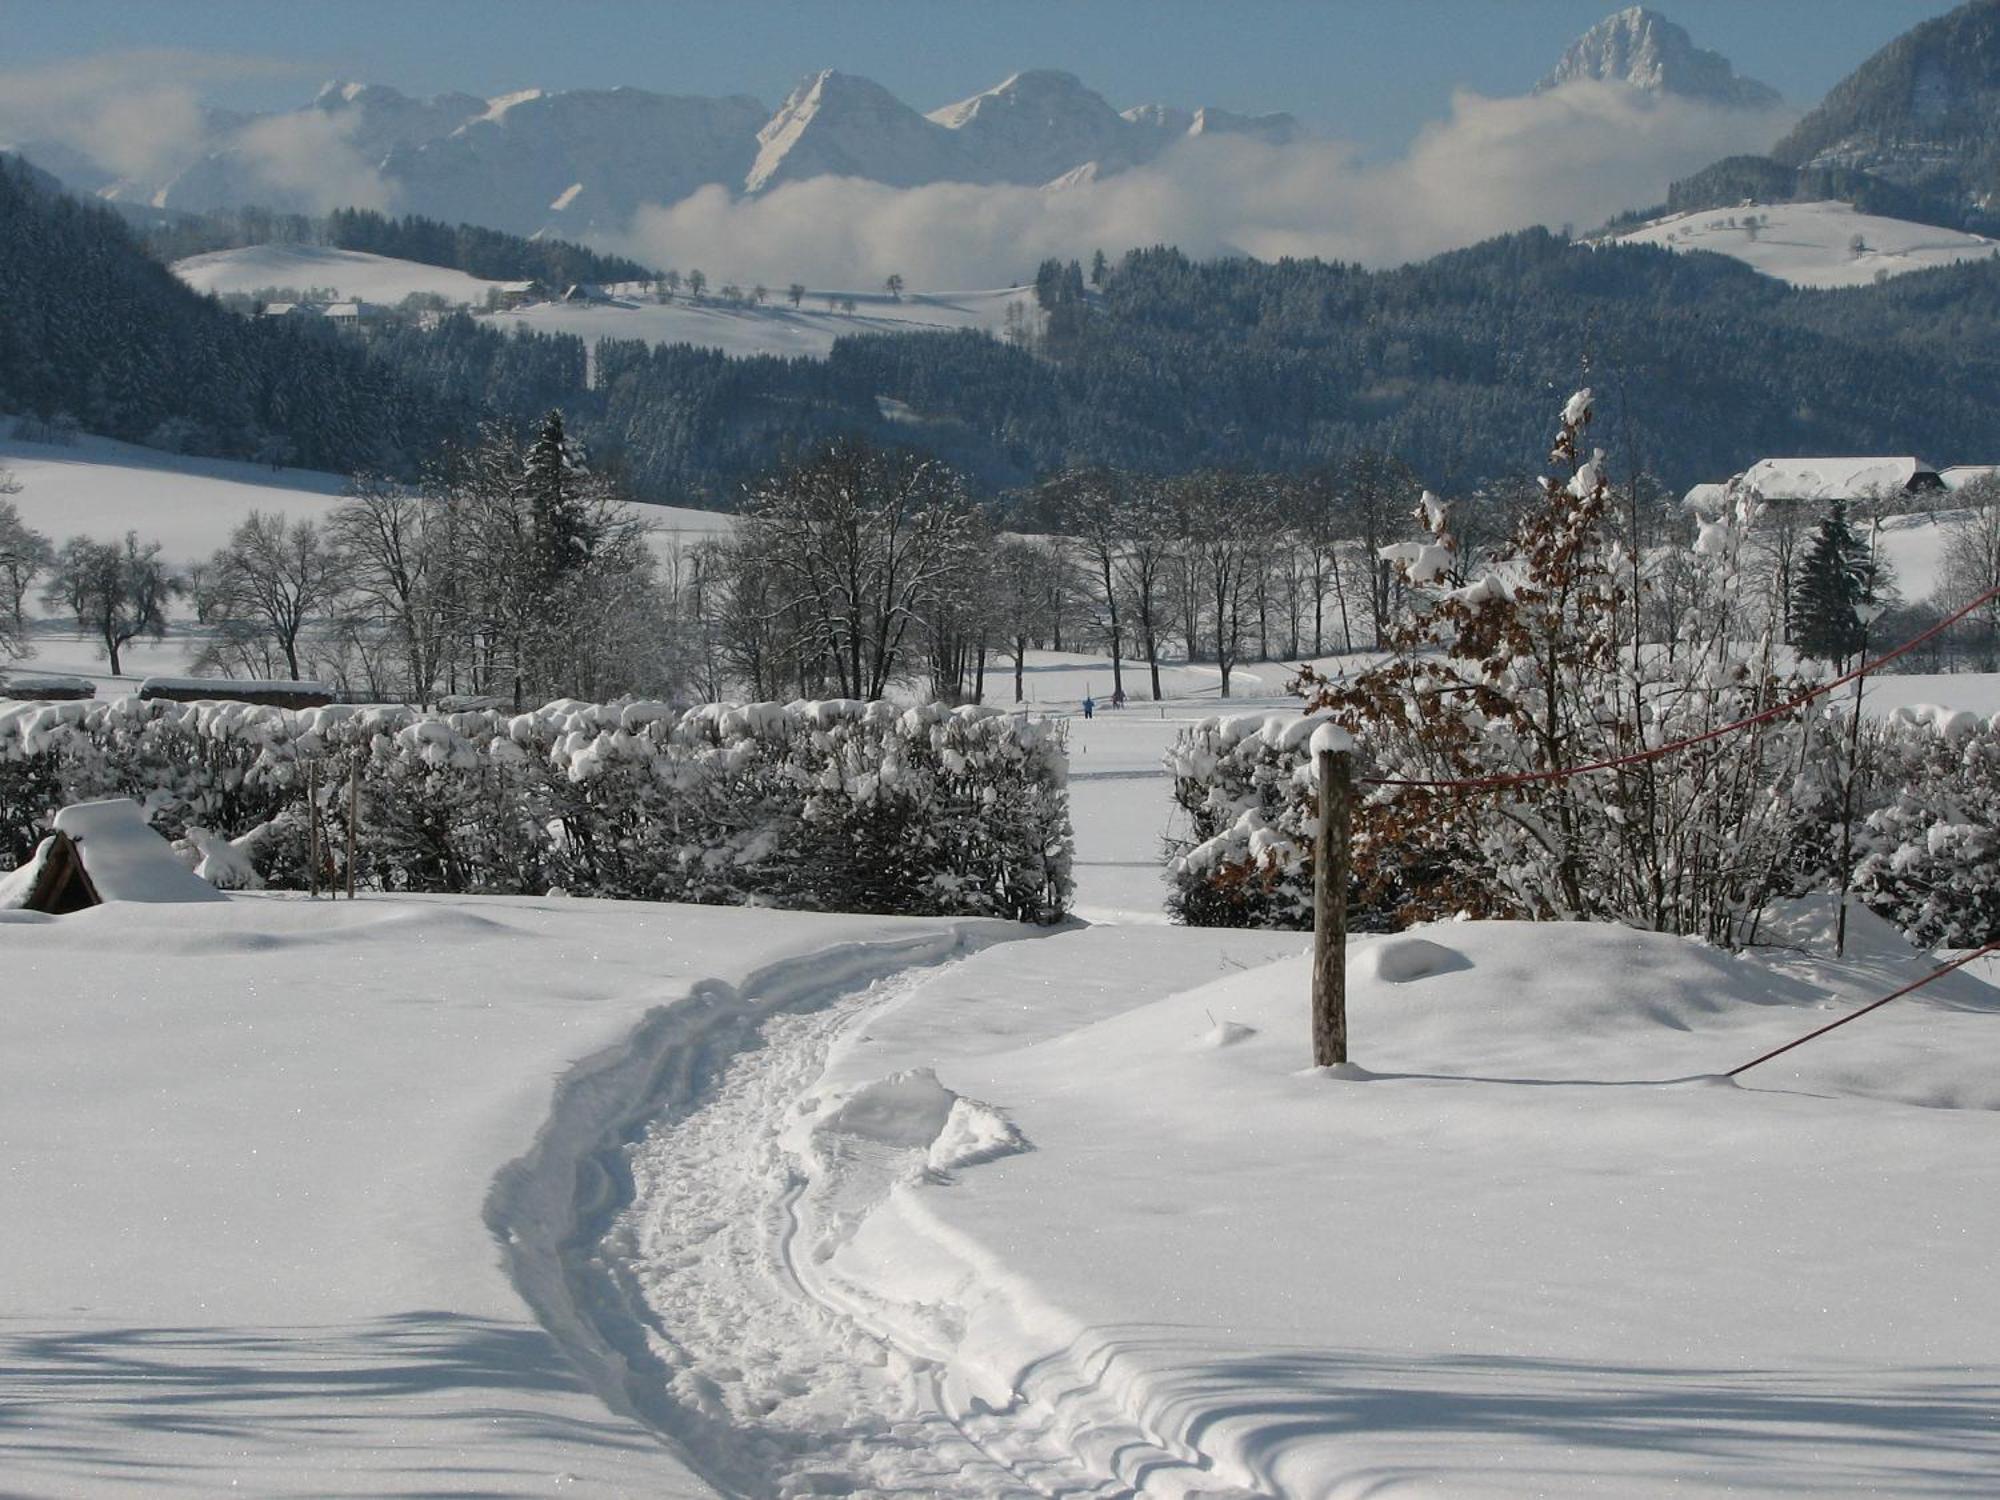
1330	859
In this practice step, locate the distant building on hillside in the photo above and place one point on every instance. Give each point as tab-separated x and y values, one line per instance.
1825	479
1958	476
355	313
586	291
292	310
505	296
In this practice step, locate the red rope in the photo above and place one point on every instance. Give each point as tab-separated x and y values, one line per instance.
1640	757
1938	973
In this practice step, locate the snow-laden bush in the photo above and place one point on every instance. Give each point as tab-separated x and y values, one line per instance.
1246	785
1930	857
1515	668
828	806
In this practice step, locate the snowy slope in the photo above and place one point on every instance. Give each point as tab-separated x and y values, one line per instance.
350	273
261	1231
1810	244
102	488
776	327
1532	1251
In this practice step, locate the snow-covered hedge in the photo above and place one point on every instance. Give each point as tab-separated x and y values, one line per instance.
1928	851
1247	787
826	806
1932	854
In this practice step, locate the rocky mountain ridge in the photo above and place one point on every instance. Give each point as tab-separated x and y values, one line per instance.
1642	48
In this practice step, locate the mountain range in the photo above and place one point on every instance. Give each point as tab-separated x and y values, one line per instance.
576	162
1914	132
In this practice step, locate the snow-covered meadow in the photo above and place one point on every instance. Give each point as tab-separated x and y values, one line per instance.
1814	244
774	326
808	1204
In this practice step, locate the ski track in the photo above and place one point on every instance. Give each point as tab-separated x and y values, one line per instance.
669	1228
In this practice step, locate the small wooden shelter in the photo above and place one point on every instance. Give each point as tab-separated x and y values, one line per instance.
53	881
100	852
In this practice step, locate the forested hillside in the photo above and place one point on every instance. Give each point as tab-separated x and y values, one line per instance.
1704	366
96	334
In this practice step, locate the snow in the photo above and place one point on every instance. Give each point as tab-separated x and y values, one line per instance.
1833	478
352	274
1330	739
103	488
254	1235
807	331
1809	244
774	328
1530	1245
125	859
1039	1211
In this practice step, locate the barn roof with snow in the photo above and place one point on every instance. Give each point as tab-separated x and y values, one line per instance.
1839	478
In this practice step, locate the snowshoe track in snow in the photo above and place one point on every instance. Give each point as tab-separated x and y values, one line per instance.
708	1183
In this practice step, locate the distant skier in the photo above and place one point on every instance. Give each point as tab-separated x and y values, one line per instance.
1089	707
1118	697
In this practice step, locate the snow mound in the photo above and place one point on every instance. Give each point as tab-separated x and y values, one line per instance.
1225	1034
973	1133
1399	960
913	1111
125	859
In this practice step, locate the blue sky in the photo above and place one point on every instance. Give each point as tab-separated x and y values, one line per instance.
1372	71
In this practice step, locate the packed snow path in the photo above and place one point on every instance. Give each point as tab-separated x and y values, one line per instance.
764	1375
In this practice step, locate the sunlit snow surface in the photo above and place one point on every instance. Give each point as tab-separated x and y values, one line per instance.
1812	244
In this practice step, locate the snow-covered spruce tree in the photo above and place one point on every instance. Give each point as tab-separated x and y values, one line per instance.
1834	579
1537	664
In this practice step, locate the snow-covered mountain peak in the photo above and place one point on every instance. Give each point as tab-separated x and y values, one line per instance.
1048	90
844	125
1640	47
1037	125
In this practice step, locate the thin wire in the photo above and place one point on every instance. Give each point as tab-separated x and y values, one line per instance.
1938	973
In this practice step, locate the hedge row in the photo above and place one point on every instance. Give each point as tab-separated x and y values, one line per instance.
838	806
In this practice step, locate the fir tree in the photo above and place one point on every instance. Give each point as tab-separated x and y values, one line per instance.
554	484
1836	578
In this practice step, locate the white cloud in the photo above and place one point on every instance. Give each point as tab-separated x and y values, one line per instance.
140	116
137	114
1577	154
307	161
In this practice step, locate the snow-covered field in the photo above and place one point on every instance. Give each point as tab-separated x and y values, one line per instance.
354	274
102	488
1066	1215
1812	244
775	327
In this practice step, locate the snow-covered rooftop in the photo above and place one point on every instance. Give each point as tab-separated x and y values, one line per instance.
1808	478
